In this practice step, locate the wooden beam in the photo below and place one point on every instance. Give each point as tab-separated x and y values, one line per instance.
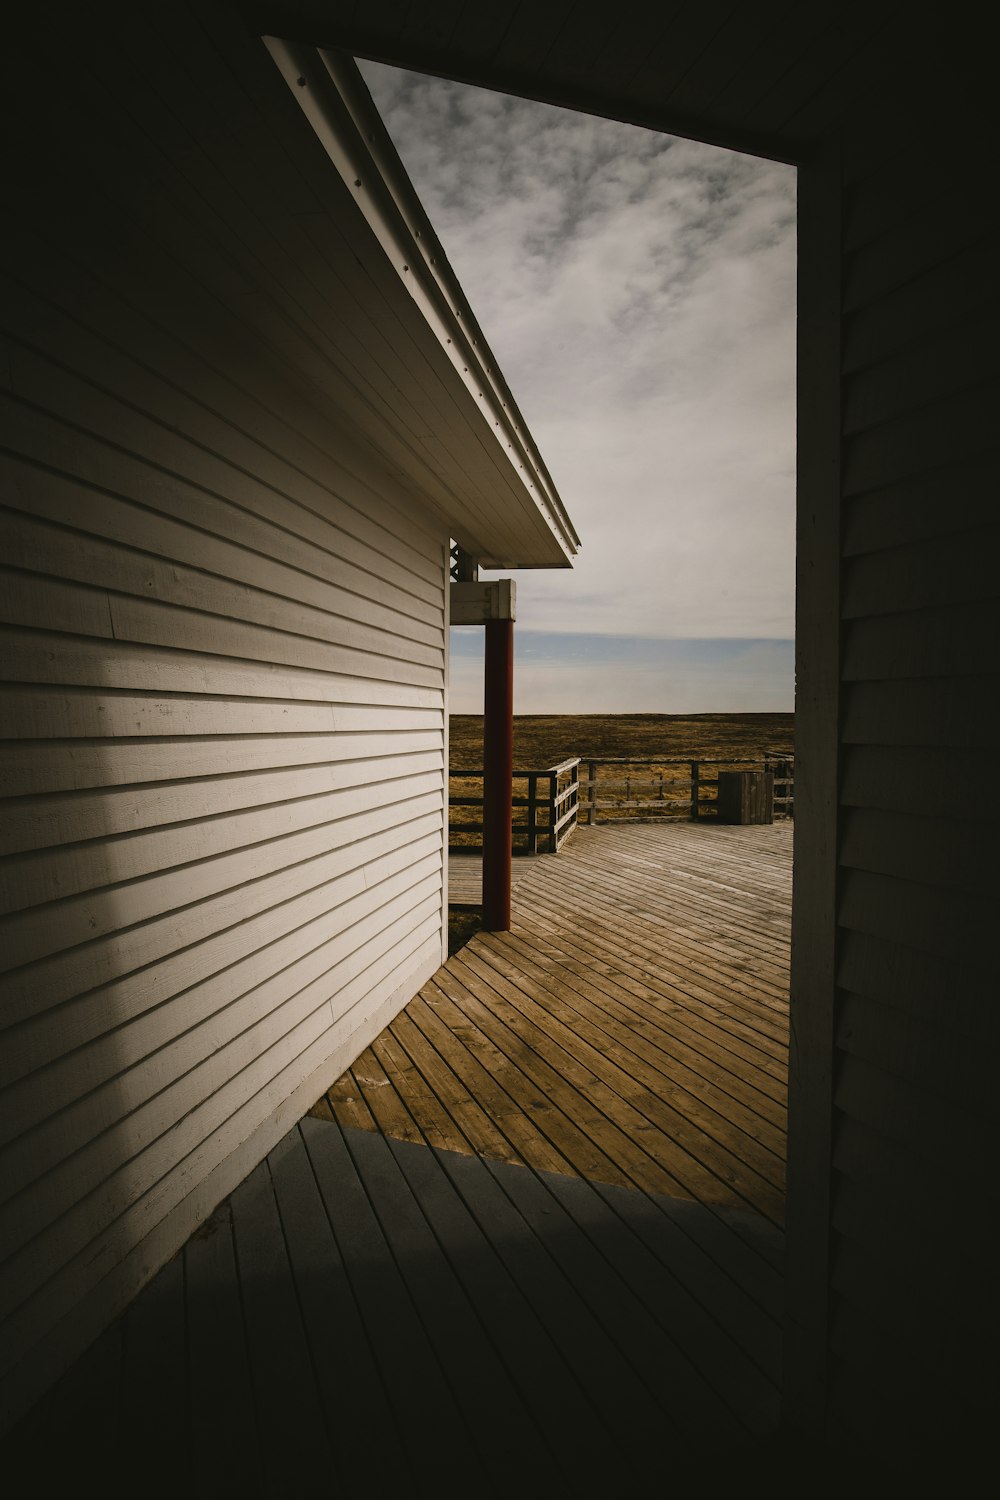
479	603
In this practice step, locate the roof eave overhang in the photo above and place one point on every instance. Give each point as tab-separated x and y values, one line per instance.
526	525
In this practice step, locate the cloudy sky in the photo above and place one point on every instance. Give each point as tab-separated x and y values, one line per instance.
638	293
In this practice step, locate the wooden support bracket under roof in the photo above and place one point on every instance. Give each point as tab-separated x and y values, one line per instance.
478	603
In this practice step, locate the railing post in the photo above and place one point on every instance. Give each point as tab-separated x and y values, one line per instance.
592	776
532	813
498	765
575	799
695	791
448	814
553	788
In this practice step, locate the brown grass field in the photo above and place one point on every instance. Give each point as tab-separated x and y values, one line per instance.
545	739
656	781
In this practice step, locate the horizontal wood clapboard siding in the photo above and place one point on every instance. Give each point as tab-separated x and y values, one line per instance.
914	1095
223	708
277	247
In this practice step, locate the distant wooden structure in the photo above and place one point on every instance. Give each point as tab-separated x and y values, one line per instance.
745	797
168	348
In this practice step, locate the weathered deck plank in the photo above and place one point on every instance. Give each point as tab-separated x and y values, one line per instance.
224	1431
530	1239
295	1439
632	1026
465	876
350	1389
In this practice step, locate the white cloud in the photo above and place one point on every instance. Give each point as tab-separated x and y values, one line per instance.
638	293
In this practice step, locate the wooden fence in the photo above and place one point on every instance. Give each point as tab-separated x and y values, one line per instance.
648	790
544	804
547	803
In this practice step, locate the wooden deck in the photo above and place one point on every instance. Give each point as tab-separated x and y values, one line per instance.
465	876
530	1241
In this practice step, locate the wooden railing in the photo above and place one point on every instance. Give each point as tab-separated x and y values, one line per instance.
548	803
655	788
544	812
781	764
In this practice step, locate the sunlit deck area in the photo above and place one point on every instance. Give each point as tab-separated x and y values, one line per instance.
530	1241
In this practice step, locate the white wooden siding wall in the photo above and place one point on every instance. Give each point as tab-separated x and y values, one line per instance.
917	1003
223	719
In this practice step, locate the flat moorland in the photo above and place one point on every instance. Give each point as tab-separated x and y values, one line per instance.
656	788
546	739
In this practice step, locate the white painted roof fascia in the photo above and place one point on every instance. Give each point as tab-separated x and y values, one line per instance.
337	104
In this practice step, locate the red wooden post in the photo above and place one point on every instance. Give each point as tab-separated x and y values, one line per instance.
498	767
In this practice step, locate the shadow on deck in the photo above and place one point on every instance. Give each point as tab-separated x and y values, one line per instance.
530	1242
